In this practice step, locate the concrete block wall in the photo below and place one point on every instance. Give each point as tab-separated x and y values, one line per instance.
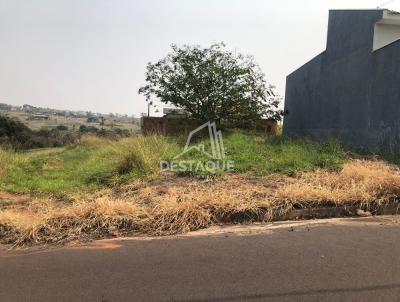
181	126
349	91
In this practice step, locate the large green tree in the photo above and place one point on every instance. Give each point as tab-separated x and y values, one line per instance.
212	84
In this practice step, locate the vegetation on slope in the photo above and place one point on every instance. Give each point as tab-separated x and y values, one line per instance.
97	187
90	164
279	154
178	205
95	163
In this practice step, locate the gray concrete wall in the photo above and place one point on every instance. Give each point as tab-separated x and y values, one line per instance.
348	92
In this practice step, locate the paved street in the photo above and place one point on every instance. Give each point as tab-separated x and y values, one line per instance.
343	260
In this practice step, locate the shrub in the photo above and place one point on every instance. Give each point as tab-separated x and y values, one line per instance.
62	128
88	129
13	132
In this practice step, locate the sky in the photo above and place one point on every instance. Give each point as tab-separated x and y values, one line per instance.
91	54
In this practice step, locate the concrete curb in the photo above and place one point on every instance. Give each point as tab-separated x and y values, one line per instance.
337	212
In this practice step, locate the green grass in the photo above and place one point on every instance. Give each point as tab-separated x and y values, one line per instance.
96	163
252	153
282	154
84	167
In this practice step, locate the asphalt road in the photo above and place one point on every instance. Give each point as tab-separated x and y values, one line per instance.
346	261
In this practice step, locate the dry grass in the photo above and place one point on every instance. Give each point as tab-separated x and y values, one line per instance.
47	223
7	160
175	205
360	182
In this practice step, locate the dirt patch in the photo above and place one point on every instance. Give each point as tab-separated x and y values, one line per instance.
13	200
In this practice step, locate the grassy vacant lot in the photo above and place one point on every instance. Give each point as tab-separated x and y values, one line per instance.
100	188
96	163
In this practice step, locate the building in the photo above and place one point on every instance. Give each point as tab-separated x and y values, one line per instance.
351	91
39	116
174	113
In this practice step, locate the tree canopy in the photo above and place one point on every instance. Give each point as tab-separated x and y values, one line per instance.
13	130
212	84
